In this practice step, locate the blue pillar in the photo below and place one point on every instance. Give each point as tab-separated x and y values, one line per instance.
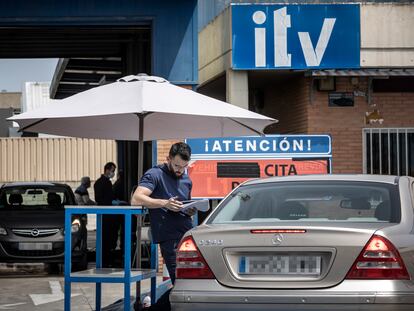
68	257
98	260
127	262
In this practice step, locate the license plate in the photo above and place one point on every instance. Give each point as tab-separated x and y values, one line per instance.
35	246
308	265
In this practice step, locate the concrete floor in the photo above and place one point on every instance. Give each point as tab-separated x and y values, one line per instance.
30	287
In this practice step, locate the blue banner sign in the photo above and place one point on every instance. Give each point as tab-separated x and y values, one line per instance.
272	146
295	36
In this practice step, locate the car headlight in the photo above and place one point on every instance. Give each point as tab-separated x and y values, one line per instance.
75	226
3	231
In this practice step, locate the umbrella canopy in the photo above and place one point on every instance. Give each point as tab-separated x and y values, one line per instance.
141	108
114	111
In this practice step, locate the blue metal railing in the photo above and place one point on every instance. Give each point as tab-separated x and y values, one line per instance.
101	275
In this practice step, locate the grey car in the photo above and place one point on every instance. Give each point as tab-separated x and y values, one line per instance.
326	242
32	218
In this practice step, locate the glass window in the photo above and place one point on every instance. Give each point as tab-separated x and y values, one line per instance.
33	198
311	201
389	151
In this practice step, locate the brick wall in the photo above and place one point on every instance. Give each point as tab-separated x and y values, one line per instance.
163	148
287	101
300	112
344	124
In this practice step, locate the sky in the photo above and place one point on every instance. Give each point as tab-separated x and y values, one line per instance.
13	72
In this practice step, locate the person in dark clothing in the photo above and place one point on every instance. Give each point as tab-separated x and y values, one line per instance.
121	199
104	196
82	194
161	190
103	186
119	189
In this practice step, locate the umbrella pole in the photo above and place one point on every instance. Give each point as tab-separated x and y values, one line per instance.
139	218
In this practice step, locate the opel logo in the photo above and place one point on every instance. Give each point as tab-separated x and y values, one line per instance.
35	232
277	239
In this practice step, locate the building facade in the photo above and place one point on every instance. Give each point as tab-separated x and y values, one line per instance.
319	67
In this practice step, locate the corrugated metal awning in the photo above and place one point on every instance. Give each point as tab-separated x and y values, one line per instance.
363	73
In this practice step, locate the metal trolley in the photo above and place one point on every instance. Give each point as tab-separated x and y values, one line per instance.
100	275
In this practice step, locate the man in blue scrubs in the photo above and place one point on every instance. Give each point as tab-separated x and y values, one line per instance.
161	190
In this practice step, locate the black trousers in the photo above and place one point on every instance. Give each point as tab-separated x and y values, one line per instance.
111	225
169	253
110	228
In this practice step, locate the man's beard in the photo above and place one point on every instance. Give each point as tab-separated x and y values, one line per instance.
174	173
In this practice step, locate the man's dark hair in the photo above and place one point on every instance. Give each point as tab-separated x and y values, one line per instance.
181	149
109	165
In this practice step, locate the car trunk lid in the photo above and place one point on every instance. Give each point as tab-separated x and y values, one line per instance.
268	256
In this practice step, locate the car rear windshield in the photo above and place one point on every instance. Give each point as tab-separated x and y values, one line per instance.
33	198
311	201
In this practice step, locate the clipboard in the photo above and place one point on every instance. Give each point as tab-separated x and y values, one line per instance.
200	205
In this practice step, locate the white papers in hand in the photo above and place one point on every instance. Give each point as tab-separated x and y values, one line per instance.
201	205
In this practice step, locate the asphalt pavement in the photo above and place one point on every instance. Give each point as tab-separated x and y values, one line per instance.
30	287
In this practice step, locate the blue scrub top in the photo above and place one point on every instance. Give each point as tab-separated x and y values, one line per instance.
164	184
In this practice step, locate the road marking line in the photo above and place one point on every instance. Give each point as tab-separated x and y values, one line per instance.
56	295
11	306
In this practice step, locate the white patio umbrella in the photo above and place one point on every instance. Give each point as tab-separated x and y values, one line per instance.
142	108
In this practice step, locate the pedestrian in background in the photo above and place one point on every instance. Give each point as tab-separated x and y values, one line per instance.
121	199
104	197
118	188
82	194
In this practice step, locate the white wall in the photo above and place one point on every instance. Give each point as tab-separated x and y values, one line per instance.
387	35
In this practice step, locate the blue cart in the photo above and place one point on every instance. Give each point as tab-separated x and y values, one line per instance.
100	275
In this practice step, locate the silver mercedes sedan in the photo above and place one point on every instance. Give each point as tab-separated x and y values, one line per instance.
331	242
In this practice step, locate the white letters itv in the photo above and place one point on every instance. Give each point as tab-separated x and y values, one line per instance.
295	36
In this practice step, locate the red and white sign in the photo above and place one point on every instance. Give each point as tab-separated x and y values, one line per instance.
208	180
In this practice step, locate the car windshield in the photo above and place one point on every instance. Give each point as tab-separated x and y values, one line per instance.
33	198
310	201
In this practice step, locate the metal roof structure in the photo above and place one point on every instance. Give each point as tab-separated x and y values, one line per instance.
77	74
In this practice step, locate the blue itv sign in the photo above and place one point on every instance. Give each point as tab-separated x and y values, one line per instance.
295	36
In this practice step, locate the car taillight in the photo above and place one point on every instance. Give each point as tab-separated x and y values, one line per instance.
190	262
379	260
